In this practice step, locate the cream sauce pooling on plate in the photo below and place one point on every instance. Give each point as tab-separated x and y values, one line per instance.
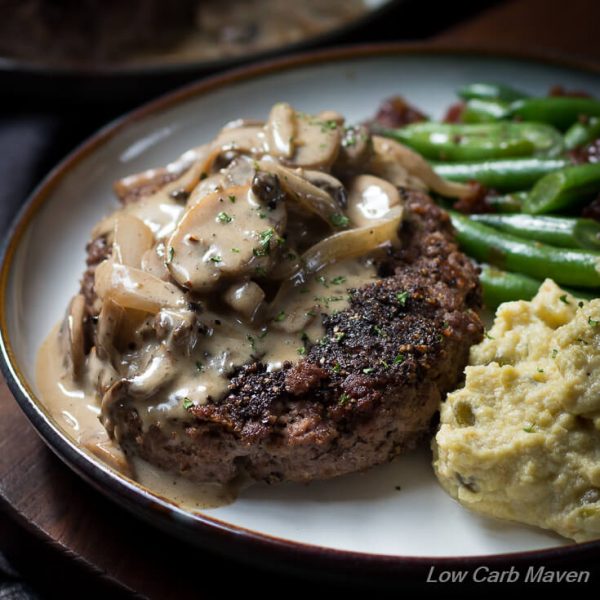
77	412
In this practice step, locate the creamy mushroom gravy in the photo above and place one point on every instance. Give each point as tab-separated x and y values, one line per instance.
229	256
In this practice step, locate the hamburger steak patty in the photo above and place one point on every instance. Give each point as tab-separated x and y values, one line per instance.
363	395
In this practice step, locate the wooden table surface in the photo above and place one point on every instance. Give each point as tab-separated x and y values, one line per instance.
59	530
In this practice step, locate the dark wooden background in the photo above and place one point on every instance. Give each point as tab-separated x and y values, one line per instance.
66	539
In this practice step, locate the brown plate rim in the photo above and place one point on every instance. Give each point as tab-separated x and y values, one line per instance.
201	529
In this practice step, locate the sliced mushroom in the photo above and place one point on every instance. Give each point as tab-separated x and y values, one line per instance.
280	130
328	183
405	168
356	150
245	298
309	196
159	371
131	239
370	198
249	139
135	289
331	115
226	234
316	143
72	336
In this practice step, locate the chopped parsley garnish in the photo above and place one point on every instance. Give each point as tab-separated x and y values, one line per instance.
554	352
263	333
339	336
337	368
402	297
322	280
280	316
487	335
232	199
385	364
223	217
338	280
187	403
564	299
529	429
593	322
302	351
216	259
199	366
329	124
368	370
344	398
170	255
540	370
265	237
252	341
339	220
399	359
235	250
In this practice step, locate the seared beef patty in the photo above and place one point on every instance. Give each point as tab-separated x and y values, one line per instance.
364	394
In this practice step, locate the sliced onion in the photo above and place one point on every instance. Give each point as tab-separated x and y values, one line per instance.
131	240
405	168
133	288
343	245
354	242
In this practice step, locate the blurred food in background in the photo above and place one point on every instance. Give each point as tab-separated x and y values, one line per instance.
74	33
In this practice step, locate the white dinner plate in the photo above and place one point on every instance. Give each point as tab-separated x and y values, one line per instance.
362	515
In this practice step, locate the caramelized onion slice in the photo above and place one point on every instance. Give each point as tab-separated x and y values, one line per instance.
339	246
405	168
131	239
133	288
354	242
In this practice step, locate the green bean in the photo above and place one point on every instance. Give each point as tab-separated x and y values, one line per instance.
485	244
492	91
507	203
502	286
485	111
564	232
582	133
560	111
504	174
481	141
564	188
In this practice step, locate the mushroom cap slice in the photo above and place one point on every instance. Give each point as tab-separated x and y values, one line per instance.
228	233
316	143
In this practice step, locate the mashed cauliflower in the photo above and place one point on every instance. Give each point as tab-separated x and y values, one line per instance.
521	440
